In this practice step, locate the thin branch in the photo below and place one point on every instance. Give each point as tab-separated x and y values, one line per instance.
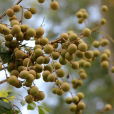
3	81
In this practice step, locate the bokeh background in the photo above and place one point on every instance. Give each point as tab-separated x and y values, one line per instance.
98	88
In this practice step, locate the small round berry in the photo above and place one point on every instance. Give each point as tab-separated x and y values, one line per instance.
86	32
54	5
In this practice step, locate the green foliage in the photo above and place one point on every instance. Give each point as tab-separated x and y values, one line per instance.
43	110
31	106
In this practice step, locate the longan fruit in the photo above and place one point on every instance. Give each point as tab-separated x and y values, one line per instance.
81	63
10	12
80	54
19	84
108	107
46	60
14	22
60	73
43	41
8	44
38	52
65	87
14	17
74	81
1	28
45	74
27	14
79	14
41	1
48	67
37	46
40	60
16	29
27	61
16	8
107	51
33	10
64	35
38	68
54	90
85	15
81	71
11	66
73	37
24	74
31	32
83	10
63	61
38	75
112	69
96	53
55	55
104	56
82	47
69	56
88	54
9	37
54	5
39	31
69	32
19	36
64	45
51	77
104	42
40	96
59	91
34	90
48	48
20	68
104	8
6	31
73	107
12	80
80	95
19	54
30	78
83	75
33	73
75	99
81	105
15	72
80	20
72	48
79	83
68	100
74	65
103	21
86	32
58	82
55	45
29	98
104	64
57	65
96	44
63	52
87	64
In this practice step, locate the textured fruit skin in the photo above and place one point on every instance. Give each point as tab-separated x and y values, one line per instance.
12	80
59	91
41	1
81	105
54	90
63	61
80	54
57	65
43	41
27	14
64	35
74	65
16	8
40	60
30	78
15	72
68	100
29	98
24	74
48	49
96	44
40	96
55	55
69	56
38	68
16	29
75	99
104	64
86	32
82	47
19	54
73	107
10	12
39	31
51	77
65	87
60	73
89	54
72	48
33	10
73	37
80	95
34	90
104	8
31	32
108	107
54	5
103	21
38	52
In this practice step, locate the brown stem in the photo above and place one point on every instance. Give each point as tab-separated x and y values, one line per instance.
3	81
5	12
21	16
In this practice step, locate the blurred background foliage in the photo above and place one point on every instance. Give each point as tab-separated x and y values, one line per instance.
99	86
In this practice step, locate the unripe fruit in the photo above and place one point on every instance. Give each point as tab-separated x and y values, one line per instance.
69	56
19	54
107	51
108	107
43	41
33	10
37	46
46	60
29	98
40	96
96	53
27	84
83	10
30	78
40	60
38	52
80	54
6	31
11	66
14	22
81	105
19	36
104	56
96	44
83	75
112	69
41	1
104	8
24	74
16	8
39	31
48	49
72	48
55	45
38	68
73	37
34	90
80	20
27	14
12	80
79	14
33	73
10	12
38	75
48	67
63	61
79	83
31	32
68	100
54	90
65	87
63	52
57	65
86	32
103	21
16	29
82	47
80	95
85	15
19	84
54	5
15	72
73	107
60	73
51	77
59	91
74	81
88	54
45	74
12	18
64	45
81	71
64	35
104	42
20	68
104	64
75	99
87	64
55	55
81	63
74	65
58	82
27	62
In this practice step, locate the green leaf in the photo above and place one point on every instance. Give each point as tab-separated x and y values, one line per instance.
5	105
12	93
11	112
23	102
31	106
43	110
2	110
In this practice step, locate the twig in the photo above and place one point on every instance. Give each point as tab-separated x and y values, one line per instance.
29	60
3	81
21	16
18	108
